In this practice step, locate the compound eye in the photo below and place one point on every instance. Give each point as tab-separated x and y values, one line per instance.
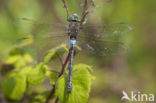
70	19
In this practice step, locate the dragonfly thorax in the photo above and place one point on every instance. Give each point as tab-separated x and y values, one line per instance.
73	29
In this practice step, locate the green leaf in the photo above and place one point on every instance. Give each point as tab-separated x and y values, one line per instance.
19	60
52	77
37	75
11	59
81	83
25	70
54	53
14	86
78	48
84	66
41	98
24	60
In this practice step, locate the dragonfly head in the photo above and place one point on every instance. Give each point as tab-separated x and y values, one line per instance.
74	17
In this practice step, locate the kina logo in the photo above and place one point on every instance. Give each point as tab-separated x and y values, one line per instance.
137	96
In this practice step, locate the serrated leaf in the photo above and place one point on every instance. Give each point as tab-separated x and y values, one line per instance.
54	53
78	47
81	83
14	86
28	58
23	60
11	59
52	77
37	75
25	70
19	60
84	66
41	98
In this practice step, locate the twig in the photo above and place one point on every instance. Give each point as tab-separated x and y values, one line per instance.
57	99
62	71
83	18
85	12
65	6
85	8
51	94
23	98
64	65
2	98
93	3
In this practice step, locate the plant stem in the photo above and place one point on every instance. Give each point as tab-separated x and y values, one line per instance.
2	98
64	65
54	86
84	12
57	99
51	93
65	6
93	3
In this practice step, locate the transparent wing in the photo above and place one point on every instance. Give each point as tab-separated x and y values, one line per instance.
94	39
39	28
45	35
104	48
40	46
104	31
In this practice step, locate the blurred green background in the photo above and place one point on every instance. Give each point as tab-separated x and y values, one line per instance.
135	71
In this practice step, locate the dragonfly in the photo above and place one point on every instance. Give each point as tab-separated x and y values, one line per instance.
91	38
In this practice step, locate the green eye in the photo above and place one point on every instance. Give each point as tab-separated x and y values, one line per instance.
70	19
74	18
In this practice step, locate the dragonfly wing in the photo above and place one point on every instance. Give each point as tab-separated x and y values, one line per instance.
40	46
103	31
45	35
105	48
117	29
39	28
